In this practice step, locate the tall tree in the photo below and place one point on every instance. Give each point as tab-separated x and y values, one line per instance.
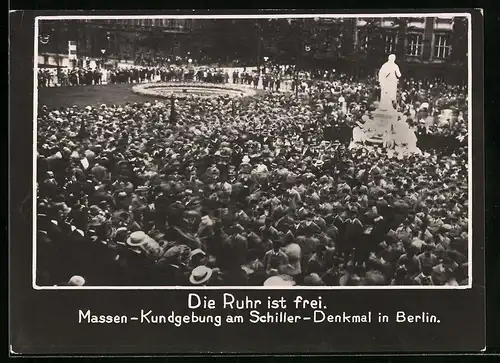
402	26
459	41
372	43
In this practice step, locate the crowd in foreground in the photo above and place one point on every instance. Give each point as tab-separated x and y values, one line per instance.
235	192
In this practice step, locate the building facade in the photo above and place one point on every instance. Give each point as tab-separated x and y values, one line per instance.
125	38
115	38
424	46
436	45
426	39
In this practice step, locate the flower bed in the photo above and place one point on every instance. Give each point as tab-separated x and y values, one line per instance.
184	90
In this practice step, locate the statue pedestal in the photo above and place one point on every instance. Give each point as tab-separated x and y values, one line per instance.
384	130
380	125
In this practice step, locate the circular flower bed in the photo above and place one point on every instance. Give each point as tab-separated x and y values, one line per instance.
184	90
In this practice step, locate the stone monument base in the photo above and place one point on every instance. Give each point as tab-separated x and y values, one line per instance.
385	131
376	129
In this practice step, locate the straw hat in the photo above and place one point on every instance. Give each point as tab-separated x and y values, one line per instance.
197	251
76	281
278	281
200	275
142	241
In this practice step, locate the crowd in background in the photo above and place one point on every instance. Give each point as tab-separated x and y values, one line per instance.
252	191
129	74
437	112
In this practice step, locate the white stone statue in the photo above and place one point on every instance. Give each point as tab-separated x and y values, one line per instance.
388	78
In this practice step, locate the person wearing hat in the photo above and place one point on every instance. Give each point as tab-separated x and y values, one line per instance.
313	279
425	277
294	254
76	281
138	201
275	259
318	262
197	258
171	269
411	262
276	281
374	278
268	232
142	243
119	238
444	272
401	277
353	228
157	235
378	260
427	258
200	276
350	272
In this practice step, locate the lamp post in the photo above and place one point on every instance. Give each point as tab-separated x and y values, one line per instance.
103	52
44	39
259	43
108	39
307	49
300	25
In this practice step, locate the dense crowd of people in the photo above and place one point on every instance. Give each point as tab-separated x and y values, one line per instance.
253	191
128	74
265	77
64	77
436	112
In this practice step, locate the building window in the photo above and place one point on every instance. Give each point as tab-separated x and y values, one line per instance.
415	42
364	42
442	46
390	43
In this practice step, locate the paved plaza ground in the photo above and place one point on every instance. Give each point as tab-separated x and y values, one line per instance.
82	96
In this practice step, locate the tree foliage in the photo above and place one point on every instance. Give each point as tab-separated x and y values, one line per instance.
402	27
370	41
459	42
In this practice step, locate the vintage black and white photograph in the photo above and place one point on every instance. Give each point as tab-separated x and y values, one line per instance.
278	151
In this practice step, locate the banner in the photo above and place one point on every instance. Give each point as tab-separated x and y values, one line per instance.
72	49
